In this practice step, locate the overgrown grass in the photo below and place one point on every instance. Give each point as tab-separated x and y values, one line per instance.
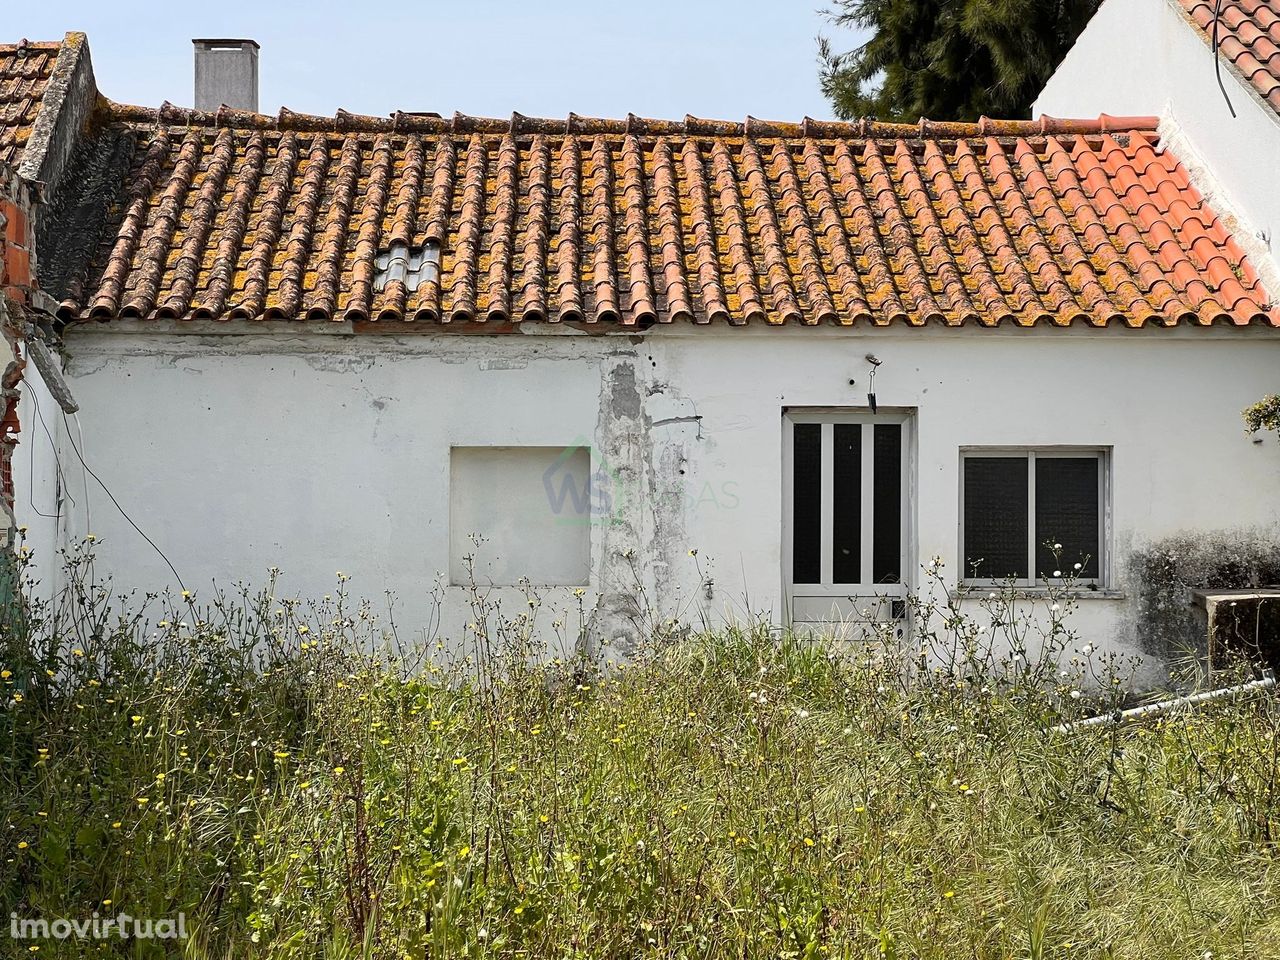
727	794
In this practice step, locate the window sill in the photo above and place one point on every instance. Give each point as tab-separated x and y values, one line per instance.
979	591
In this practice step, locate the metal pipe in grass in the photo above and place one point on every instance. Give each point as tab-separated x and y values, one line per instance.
1267	682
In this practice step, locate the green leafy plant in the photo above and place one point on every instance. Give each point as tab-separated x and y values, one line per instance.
1263	415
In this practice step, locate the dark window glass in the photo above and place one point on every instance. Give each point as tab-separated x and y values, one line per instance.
887	541
806	507
846	512
1067	513
995	517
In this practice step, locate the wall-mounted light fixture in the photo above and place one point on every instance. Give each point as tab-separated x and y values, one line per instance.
871	381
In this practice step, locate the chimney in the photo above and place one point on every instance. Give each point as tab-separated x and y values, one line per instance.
226	72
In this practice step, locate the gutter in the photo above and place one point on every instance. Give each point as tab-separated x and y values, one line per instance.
1268	682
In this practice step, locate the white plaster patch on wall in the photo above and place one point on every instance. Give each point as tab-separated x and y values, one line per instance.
520	512
503	363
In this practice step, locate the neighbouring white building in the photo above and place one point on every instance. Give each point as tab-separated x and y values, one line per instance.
1220	111
816	355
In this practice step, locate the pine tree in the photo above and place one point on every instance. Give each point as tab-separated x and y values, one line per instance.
948	59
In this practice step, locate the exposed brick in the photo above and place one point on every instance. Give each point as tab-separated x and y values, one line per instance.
16	225
17	283
17	263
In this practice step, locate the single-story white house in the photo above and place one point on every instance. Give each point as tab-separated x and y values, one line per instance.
653	368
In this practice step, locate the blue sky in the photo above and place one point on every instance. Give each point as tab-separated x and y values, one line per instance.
658	58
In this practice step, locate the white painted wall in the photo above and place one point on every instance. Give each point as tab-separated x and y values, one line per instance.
319	453
42	494
1145	57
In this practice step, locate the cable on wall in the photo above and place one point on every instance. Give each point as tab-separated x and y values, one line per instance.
89	470
31	468
1217	60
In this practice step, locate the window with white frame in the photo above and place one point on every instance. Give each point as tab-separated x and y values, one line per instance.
1030	515
846	519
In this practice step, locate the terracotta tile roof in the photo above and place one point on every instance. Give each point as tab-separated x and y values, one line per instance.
25	69
1248	37
632	222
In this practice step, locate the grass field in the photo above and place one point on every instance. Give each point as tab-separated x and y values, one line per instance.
727	794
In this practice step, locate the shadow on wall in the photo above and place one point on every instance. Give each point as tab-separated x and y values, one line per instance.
1162	575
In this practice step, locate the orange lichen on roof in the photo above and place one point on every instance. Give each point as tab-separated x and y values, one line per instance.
627	223
1248	38
25	69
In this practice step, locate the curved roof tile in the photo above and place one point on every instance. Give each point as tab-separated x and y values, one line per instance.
25	69
619	224
1248	37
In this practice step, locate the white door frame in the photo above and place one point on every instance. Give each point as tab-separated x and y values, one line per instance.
871	593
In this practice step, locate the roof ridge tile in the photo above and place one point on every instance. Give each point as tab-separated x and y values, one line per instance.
433	123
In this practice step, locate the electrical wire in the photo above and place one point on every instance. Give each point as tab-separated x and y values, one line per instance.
31	469
1217	60
123	513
